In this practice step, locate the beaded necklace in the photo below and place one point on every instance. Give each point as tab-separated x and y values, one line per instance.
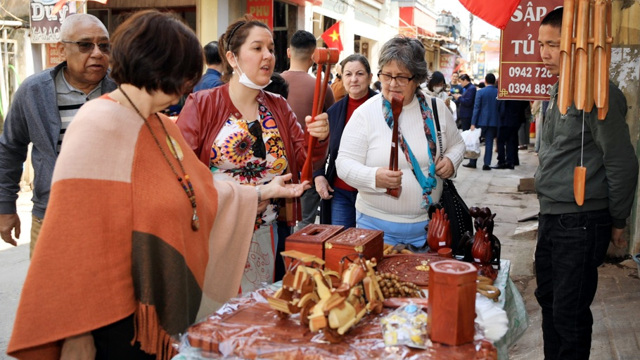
185	183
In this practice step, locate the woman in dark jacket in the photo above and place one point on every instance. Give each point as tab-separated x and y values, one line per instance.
338	198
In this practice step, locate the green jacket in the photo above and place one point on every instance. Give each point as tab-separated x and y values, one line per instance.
612	166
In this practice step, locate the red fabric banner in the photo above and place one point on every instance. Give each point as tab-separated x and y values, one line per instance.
332	37
489	11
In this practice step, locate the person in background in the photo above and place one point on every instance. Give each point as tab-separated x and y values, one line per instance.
301	86
146	255
481	85
455	87
573	239
465	101
485	116
363	159
42	109
512	114
339	198
377	86
436	87
249	136
337	86
211	77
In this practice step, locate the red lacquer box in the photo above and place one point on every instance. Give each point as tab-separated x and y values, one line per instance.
353	241
452	302
310	239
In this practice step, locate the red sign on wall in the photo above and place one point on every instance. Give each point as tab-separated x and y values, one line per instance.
522	73
262	10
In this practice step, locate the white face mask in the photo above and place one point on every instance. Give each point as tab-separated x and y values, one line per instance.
244	79
437	89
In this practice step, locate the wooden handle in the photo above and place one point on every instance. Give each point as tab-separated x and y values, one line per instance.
565	88
581	61
321	56
396	109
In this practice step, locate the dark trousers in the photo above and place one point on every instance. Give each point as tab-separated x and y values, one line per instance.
465	123
507	145
569	250
490	133
343	207
113	342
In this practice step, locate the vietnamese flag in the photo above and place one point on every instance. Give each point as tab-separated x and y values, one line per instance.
332	37
497	16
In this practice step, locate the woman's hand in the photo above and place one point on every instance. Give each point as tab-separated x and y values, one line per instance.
389	179
78	347
319	128
278	189
323	188
444	168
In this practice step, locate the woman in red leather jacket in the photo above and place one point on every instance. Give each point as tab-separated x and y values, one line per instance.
249	136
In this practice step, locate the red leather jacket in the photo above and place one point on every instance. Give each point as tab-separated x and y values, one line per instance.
205	112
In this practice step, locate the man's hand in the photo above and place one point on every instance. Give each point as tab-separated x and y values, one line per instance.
323	188
473	127
617	239
456	96
444	168
10	222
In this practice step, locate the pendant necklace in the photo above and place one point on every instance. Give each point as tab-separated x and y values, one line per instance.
185	182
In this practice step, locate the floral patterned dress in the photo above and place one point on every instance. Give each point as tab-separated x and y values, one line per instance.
232	159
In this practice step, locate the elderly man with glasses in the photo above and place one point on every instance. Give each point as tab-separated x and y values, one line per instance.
42	109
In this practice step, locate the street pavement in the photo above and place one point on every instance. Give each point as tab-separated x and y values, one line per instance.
616	331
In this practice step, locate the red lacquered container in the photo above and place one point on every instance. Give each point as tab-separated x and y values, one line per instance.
452	302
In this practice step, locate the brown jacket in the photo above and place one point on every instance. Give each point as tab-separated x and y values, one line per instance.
206	111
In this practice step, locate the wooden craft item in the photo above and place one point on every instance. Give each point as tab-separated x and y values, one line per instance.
579	181
439	232
351	242
409	267
452	302
396	109
311	239
321	56
585	56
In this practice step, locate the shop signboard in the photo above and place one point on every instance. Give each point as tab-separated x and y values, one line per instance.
522	73
262	10
447	64
45	26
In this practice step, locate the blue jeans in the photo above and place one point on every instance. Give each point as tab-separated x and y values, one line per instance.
569	250
395	233
343	207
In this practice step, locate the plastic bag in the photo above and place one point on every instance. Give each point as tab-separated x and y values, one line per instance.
472	143
407	325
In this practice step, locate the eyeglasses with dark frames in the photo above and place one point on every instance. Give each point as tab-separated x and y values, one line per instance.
258	147
400	80
88	46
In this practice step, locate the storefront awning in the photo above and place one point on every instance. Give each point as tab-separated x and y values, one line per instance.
414	20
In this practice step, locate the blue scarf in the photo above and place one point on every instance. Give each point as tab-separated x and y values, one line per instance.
427	181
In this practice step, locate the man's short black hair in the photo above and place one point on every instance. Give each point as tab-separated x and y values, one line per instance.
490	79
554	18
211	55
464	77
303	40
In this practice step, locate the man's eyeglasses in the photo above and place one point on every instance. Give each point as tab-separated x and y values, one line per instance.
258	147
400	80
88	46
